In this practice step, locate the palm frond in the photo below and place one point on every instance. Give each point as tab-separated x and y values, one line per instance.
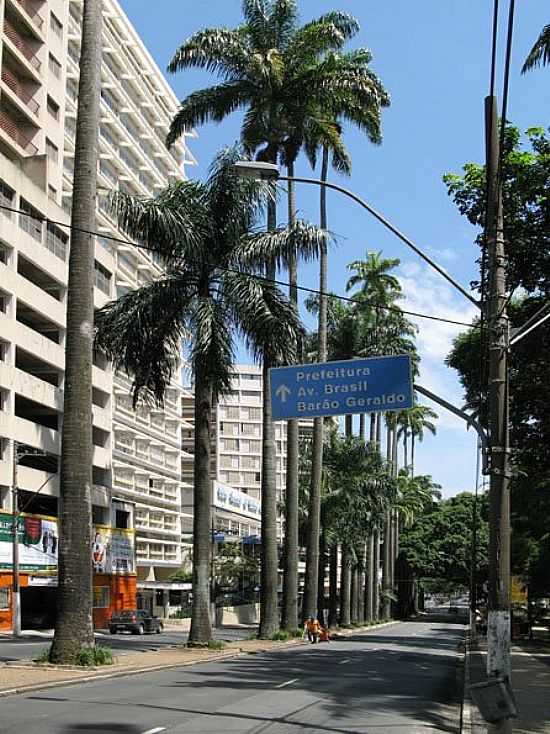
134	337
540	53
304	238
211	104
170	224
218	50
256	15
263	316
213	343
282	21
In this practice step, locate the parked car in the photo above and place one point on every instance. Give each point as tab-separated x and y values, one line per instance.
136	621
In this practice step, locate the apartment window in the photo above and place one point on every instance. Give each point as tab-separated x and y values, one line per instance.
230	444
231	411
100	597
102	279
248	376
4	598
53	108
30	220
56	241
7	197
52	151
56	25
54	66
250	394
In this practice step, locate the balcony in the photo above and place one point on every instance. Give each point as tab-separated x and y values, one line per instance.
21	44
33	14
12	81
11	127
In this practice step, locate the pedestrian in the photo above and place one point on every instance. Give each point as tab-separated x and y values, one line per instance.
324	635
313	629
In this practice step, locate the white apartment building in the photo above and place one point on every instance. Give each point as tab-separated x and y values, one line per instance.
137	454
237	445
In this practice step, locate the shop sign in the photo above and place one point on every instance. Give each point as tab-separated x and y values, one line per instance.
228	498
113	550
42	581
38	538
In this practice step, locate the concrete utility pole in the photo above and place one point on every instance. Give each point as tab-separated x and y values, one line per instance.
498	630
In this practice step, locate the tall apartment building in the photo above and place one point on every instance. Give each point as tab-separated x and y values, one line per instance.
136	461
237	447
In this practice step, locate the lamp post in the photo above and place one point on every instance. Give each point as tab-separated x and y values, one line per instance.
497	442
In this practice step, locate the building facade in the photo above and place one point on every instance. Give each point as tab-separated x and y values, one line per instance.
237	447
137	453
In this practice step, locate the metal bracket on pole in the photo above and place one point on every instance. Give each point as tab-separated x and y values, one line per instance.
466	417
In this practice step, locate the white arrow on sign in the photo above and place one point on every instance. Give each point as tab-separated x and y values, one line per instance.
283	392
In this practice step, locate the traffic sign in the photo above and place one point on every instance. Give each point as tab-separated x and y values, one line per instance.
377	384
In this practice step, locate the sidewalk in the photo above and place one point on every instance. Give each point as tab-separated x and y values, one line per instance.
530	682
21	676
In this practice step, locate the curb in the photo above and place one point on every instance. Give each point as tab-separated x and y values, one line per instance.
4	693
138	671
470	722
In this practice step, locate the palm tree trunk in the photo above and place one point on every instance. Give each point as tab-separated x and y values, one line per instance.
379	430
74	625
394	519
362	418
348	423
345	589
321	584
369	581
372	430
386	559
413	437
314	513
375	584
290	570
269	614
201	624
354	589
333	586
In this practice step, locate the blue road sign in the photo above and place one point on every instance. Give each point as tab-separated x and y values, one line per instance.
336	388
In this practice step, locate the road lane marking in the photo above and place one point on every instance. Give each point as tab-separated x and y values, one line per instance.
286	683
342	662
154	731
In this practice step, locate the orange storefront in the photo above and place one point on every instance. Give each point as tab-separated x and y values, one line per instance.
112	558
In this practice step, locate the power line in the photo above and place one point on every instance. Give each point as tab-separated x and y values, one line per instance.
275	281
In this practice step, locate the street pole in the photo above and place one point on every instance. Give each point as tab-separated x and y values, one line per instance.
498	629
16	589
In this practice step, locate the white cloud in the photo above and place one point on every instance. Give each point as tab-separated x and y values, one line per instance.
427	292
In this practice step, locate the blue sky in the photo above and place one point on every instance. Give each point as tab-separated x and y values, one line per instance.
433	58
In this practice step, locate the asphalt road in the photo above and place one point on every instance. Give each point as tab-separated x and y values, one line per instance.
400	679
30	647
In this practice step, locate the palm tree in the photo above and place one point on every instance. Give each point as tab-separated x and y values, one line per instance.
74	626
540	51
421	419
205	235
267	67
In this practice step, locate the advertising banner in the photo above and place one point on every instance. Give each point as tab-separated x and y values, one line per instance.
113	550
38	542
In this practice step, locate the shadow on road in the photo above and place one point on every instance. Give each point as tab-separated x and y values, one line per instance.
391	685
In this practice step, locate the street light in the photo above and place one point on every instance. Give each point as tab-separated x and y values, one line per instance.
270	172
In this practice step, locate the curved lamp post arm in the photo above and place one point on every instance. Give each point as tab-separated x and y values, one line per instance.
470	421
389	226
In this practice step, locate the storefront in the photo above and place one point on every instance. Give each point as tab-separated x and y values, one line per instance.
112	558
